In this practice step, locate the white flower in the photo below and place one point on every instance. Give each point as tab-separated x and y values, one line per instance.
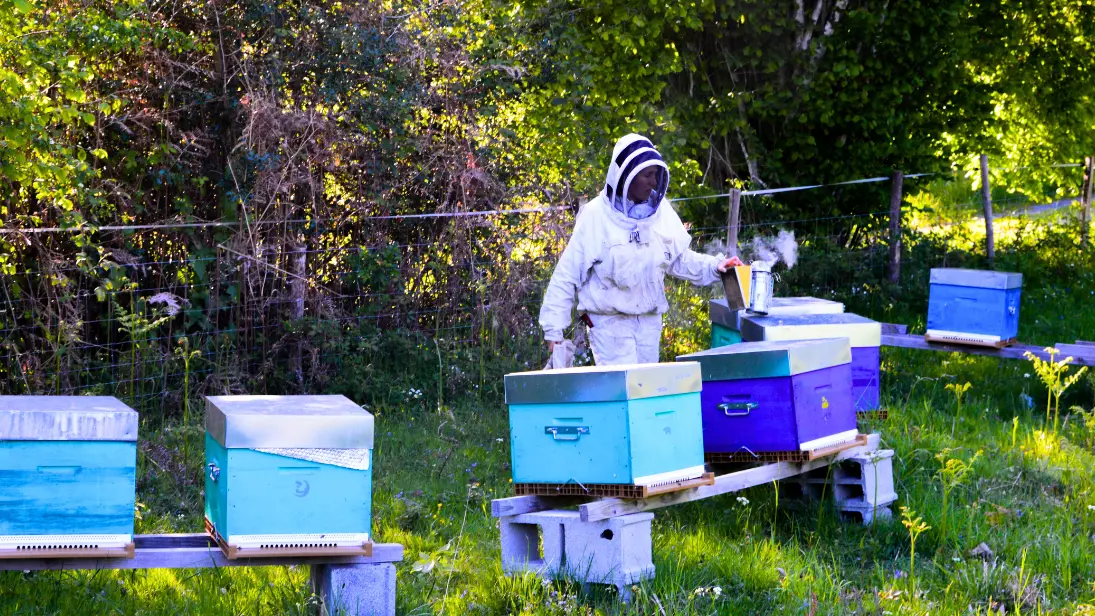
1026	375
1091	507
717	590
744	501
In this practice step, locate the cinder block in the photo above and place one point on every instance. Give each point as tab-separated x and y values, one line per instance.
616	551
866	514
355	590
866	479
521	542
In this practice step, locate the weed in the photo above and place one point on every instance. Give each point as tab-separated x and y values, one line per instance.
915	524
1052	373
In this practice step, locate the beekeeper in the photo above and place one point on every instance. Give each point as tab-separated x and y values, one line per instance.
624	243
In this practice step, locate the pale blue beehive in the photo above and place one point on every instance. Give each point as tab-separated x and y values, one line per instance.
974	306
288	471
67	474
633	425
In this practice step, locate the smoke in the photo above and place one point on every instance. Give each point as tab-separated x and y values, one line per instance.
783	248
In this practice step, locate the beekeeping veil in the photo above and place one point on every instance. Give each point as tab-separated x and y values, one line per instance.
632	155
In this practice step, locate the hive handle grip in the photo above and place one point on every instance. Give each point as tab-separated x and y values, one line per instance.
566	433
744	407
214	471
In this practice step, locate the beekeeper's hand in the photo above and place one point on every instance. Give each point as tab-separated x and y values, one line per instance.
551	345
727	264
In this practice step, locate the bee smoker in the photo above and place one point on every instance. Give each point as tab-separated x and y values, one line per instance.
760	287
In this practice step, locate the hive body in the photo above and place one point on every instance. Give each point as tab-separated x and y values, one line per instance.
974	306
776	396
634	425
67	471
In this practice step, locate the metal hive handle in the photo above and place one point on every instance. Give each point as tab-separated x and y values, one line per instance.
726	407
568	433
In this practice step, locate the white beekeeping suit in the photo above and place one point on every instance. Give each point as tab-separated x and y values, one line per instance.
617	259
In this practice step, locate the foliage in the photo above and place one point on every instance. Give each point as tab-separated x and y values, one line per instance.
1052	373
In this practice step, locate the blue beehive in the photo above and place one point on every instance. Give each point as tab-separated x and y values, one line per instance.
288	472
974	306
726	323
864	335
67	475
633	425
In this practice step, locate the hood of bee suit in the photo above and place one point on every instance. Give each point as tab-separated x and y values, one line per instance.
633	154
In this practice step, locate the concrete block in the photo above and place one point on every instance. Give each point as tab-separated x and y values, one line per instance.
355	590
865	479
866	514
615	551
522	549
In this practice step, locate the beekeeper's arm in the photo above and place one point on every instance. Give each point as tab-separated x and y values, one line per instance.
570	273
697	268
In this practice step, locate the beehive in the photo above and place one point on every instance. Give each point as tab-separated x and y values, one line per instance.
974	306
288	472
864	335
67	475
633	425
783	396
726	323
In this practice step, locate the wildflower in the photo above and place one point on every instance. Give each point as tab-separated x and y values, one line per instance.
897	575
743	501
1027	400
717	590
1026	375
1091	507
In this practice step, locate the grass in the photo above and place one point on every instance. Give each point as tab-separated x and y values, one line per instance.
1029	498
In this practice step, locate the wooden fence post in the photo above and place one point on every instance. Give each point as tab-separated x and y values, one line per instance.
897	179
986	199
733	222
1085	199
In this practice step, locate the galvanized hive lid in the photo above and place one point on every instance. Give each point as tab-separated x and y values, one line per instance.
755	360
860	331
296	422
66	418
720	312
602	384
983	279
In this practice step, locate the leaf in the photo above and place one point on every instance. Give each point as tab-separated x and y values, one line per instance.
23	6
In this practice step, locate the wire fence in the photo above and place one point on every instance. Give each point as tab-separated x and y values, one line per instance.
158	331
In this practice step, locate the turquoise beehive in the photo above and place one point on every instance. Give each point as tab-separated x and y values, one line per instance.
633	425
288	472
67	475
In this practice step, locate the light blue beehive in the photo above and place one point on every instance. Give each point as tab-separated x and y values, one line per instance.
67	474
288	472
632	425
974	306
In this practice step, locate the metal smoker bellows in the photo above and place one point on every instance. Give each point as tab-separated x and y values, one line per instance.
760	287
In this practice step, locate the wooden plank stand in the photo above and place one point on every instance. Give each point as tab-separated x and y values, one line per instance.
970	341
784	456
610	490
303	549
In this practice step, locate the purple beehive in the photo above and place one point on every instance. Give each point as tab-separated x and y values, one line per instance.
776	396
864	335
